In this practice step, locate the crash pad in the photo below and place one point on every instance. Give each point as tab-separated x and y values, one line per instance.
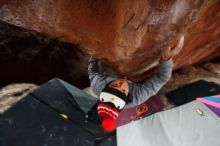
55	114
193	90
31	123
151	106
191	124
212	102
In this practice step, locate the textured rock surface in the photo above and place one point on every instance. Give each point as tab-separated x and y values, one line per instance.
128	34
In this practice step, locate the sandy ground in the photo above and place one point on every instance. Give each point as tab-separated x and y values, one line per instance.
12	93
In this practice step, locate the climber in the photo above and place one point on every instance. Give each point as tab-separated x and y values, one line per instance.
115	94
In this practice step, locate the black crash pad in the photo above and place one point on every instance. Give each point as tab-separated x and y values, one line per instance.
191	91
36	120
31	123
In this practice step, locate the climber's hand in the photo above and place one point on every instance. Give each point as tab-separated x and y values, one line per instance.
166	54
170	52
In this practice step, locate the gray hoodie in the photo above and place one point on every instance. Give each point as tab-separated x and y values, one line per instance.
138	92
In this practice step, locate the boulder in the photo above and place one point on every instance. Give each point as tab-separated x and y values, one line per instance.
128	35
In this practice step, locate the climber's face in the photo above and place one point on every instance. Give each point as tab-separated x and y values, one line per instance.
121	85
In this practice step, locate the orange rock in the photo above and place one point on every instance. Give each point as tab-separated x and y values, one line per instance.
127	34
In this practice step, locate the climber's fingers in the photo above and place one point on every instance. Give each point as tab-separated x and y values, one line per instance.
166	53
